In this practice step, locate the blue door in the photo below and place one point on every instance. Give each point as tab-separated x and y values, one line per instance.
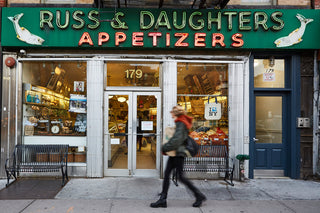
268	133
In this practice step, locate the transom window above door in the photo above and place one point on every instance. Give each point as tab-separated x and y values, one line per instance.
269	73
124	74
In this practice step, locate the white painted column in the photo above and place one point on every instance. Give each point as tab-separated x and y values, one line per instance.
95	118
239	112
246	111
169	95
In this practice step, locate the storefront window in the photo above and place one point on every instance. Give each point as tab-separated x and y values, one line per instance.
141	74
54	104
269	73
203	92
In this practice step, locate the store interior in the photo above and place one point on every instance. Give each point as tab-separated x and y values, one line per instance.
145	138
54	103
199	86
203	88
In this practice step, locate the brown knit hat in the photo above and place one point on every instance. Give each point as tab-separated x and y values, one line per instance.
178	110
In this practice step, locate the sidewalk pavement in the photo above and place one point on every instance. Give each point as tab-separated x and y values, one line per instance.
117	195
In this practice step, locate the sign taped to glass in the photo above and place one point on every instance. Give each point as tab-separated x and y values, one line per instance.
78	103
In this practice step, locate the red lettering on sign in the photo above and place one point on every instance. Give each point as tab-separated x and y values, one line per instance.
168	39
103	37
200	39
137	39
217	38
120	37
180	42
157	39
85	39
154	38
238	42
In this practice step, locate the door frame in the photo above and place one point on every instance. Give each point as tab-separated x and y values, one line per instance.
292	90
132	131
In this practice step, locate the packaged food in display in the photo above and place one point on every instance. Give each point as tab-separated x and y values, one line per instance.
203	129
197	107
195	137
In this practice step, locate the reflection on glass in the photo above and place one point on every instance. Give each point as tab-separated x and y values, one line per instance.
269	73
55	103
199	87
146	130
54	98
196	78
118	129
133	74
268	119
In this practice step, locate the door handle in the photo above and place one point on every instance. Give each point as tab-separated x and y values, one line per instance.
255	139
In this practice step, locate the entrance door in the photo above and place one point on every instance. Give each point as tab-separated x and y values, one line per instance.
268	136
132	134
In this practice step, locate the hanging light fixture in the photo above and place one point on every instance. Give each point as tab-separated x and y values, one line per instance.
271	61
122	99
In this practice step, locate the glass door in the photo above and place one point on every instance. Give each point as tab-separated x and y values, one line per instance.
132	134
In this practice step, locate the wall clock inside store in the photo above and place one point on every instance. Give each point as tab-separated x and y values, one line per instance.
55	129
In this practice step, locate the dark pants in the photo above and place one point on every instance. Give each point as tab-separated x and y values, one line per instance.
177	163
139	140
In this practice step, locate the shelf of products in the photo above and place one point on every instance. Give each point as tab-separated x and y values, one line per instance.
40	96
47	113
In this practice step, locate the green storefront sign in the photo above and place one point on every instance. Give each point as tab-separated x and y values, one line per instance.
160	28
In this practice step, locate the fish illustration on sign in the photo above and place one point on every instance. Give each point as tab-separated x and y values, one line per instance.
23	34
296	36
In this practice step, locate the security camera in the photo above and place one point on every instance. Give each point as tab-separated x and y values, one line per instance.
23	52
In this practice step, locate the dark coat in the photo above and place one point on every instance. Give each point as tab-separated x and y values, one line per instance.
177	142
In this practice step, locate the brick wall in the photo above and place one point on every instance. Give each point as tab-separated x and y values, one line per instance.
38	1
85	1
234	2
3	3
23	1
295	2
280	2
316	4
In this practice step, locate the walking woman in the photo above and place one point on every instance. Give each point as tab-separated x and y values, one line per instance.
177	143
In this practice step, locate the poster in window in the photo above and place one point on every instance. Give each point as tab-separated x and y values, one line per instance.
78	86
80	124
78	103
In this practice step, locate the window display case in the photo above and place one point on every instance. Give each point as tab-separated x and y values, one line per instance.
54	105
203	92
49	113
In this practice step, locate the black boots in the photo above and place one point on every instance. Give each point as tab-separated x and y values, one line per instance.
199	199
162	202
